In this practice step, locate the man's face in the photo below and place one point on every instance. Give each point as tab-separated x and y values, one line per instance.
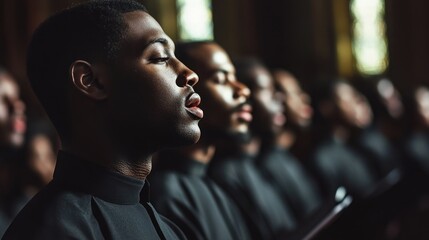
421	97
352	107
152	103
296	101
224	98
12	113
267	103
391	98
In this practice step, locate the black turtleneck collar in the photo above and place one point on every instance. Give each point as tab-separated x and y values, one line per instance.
186	166
238	156
96	180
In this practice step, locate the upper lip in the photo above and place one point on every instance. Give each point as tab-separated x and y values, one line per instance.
244	107
193	100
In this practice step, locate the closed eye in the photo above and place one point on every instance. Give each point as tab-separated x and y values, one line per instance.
160	60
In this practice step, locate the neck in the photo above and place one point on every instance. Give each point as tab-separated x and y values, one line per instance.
341	132
252	147
201	152
286	139
140	169
135	164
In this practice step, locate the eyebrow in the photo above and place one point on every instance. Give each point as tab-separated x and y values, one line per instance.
163	41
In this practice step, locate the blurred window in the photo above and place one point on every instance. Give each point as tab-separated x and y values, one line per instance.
369	38
195	19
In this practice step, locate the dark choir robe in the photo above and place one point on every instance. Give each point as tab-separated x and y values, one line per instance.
266	214
9	209
374	145
184	194
291	180
4	222
417	150
85	201
337	164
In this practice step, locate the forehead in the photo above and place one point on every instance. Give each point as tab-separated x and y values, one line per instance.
288	82
262	78
344	90
422	93
143	29
7	86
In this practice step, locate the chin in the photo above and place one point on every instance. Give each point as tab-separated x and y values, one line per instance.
304	123
189	136
237	136
17	140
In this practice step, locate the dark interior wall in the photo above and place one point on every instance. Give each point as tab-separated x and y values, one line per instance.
235	26
291	33
296	35
18	20
302	35
408	34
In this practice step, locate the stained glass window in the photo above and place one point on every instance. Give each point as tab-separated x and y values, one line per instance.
369	38
195	19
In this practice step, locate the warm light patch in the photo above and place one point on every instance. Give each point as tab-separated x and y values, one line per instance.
195	19
369	39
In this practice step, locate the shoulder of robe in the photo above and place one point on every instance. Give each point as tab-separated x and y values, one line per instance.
55	215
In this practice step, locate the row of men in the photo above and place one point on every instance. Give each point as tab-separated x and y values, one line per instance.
119	96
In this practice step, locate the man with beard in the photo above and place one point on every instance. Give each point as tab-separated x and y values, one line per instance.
182	191
235	171
106	74
278	165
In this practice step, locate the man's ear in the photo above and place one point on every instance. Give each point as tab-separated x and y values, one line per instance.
85	79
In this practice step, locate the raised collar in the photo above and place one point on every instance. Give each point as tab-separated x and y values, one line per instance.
186	166
192	167
84	176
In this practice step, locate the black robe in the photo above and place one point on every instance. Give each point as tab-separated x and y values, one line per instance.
291	180
416	148
86	201
337	164
377	148
266	214
184	194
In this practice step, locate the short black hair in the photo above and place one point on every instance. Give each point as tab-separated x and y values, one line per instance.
324	88
91	31
183	49
243	67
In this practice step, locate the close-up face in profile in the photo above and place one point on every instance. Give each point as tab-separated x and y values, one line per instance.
297	103
353	108
421	97
152	100
267	103
225	100
12	113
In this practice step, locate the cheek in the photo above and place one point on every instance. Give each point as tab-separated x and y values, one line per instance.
293	107
216	101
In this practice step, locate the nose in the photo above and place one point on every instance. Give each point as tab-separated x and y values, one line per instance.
187	77
240	90
19	107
